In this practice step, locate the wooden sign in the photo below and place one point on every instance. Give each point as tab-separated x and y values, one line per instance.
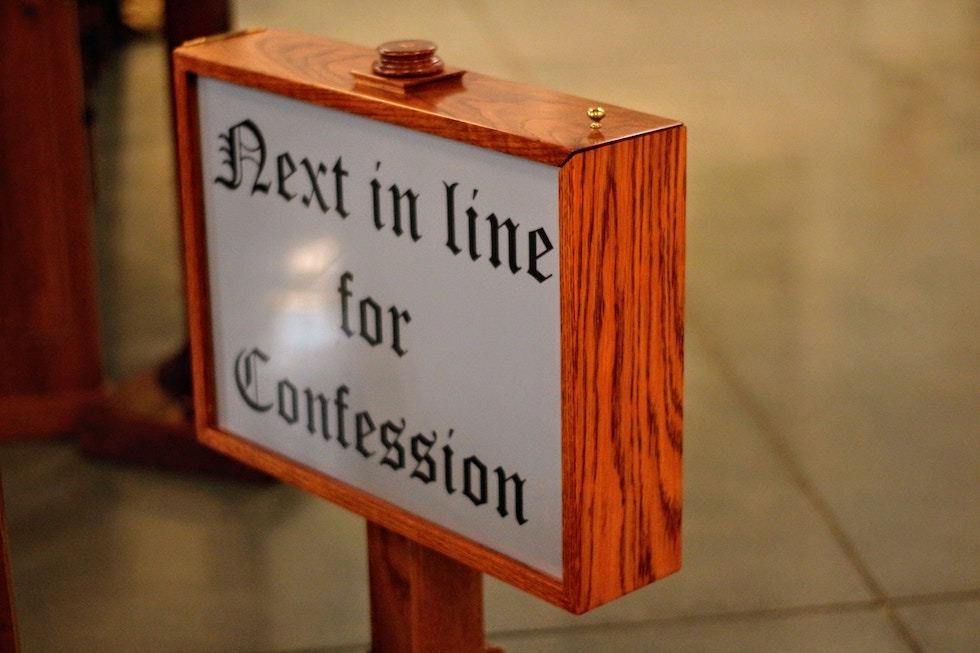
448	303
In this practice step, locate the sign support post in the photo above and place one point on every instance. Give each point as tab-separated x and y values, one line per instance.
421	600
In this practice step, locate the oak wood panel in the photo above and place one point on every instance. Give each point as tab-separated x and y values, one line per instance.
50	361
421	601
622	271
517	119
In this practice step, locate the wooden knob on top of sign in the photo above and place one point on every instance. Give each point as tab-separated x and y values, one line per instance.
407	58
406	65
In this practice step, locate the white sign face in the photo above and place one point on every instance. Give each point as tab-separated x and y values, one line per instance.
385	310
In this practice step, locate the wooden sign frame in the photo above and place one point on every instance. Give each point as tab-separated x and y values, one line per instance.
621	257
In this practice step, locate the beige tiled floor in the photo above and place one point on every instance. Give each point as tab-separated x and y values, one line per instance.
832	458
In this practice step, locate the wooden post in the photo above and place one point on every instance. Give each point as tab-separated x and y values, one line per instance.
50	362
421	601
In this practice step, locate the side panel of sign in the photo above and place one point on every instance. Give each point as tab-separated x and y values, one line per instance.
385	310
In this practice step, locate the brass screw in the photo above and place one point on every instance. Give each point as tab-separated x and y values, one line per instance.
596	114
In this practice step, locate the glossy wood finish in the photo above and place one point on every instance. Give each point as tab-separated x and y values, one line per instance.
421	601
50	362
621	227
516	119
622	268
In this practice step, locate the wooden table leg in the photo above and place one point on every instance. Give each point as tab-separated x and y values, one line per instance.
421	601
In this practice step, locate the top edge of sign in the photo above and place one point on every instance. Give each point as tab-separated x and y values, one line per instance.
510	117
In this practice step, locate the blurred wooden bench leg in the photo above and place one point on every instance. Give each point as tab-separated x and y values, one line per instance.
50	360
147	420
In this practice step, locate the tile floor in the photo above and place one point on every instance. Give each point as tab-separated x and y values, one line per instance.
832	459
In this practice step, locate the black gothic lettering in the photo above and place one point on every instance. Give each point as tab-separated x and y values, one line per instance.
288	402
247	377
244	152
312	415
396	207
376	203
397	198
472	216
533	256
364	426
314	175
341	407
502	481
338	186
397	318
451	217
285	167
243	143
447	465
495	226
312	402
370	323
345	294
422	456
499	234
475	489
394	460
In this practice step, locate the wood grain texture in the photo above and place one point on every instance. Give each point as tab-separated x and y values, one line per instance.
50	362
421	601
622	267
516	119
622	201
